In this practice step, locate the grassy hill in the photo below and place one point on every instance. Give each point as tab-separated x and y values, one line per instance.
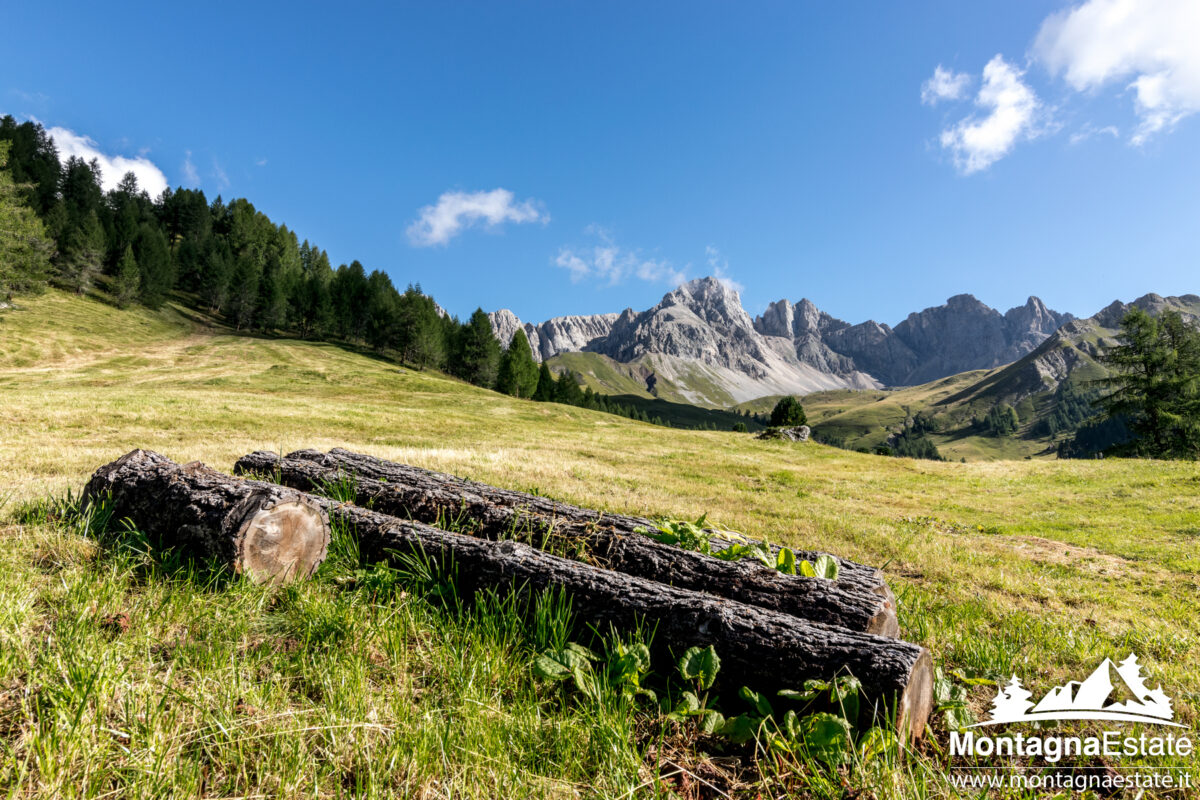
119	675
644	377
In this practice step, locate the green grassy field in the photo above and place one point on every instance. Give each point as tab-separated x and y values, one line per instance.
122	676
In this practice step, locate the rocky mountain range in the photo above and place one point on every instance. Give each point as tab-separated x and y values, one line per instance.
700	341
963	334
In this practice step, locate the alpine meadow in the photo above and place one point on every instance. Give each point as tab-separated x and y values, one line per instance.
600	401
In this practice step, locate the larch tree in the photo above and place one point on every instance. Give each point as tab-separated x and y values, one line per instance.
518	371
127	280
25	249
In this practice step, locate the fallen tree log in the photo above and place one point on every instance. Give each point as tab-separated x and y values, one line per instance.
492	513
263	531
758	647
430	494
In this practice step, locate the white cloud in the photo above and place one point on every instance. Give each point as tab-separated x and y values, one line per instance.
719	266
189	170
456	211
945	84
1152	44
609	263
1089	130
977	143
112	168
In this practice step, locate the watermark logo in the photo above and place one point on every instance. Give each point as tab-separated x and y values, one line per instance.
1115	692
1111	692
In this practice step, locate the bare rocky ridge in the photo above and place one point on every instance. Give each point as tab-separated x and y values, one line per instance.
963	334
700	338
554	336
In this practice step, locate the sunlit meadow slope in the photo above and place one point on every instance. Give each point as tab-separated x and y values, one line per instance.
1039	568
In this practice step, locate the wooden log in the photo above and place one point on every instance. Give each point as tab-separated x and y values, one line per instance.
492	513
758	647
433	493
263	531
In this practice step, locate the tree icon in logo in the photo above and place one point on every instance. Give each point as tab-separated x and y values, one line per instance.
1011	702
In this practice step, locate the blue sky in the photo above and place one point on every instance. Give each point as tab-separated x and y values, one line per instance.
563	157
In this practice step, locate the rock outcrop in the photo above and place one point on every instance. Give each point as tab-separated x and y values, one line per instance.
799	433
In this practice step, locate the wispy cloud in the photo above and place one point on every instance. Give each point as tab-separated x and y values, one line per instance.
35	102
112	168
190	175
718	266
1089	130
454	212
219	173
609	263
1149	45
1011	106
944	85
260	162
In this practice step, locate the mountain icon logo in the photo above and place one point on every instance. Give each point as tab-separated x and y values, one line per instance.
1087	699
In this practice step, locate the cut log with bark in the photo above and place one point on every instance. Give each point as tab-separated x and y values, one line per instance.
757	647
411	493
266	532
432	495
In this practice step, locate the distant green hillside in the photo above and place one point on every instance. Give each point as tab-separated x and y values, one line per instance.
685	415
642	378
1050	390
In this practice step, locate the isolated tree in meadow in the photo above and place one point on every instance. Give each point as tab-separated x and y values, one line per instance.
24	246
518	371
127	280
788	412
1155	385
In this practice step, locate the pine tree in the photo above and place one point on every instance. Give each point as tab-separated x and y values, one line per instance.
214	276
788	412
518	371
127	280
1156	383
243	290
154	261
476	356
545	385
421	335
567	391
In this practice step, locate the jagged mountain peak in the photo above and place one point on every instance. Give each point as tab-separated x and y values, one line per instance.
965	300
709	298
795	346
